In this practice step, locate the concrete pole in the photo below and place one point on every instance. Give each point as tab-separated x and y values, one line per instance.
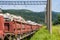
46	15
49	16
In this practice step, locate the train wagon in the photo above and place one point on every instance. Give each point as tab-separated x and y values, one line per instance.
1	26
23	28
6	27
28	28
11	28
34	27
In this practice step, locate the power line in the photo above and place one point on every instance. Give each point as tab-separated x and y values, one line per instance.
23	2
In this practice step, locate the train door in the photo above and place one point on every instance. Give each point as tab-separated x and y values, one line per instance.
6	26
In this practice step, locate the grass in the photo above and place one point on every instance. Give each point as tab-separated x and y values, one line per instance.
43	34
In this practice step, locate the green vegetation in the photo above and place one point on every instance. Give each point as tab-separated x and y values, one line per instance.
38	17
58	18
57	21
43	34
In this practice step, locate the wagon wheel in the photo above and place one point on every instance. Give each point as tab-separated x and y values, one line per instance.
8	37
14	38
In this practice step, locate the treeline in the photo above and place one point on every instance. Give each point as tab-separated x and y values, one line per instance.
57	21
38	17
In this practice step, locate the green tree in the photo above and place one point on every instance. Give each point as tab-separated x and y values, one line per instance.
57	21
58	18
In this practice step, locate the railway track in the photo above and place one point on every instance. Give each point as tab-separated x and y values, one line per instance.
28	37
22	37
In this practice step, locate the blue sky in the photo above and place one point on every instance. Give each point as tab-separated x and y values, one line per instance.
55	6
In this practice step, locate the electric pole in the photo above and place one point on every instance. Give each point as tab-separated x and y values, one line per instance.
49	16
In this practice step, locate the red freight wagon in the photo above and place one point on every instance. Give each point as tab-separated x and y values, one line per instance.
37	27
6	27
34	27
20	28
23	28
28	28
17	27
12	26
1	26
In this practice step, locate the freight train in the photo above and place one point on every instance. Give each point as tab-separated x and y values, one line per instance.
12	27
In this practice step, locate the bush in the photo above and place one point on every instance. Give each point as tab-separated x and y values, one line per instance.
43	34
